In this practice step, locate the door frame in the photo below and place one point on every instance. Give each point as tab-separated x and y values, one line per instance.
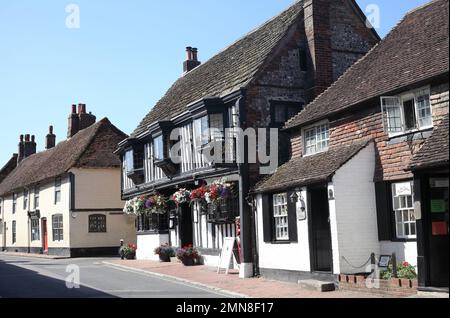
312	244
422	194
44	235
184	216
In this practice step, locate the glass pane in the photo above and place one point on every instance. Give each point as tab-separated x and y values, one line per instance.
413	228
400	230
410	114
406	226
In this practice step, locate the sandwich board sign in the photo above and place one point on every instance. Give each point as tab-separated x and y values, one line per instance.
229	251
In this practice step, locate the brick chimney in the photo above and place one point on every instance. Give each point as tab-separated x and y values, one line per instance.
74	122
86	119
27	147
79	121
191	59
50	139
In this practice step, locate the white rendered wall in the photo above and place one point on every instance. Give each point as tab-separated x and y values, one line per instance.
146	245
353	214
293	256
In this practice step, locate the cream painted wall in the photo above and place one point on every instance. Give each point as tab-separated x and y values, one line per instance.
147	243
47	208
118	226
293	256
97	189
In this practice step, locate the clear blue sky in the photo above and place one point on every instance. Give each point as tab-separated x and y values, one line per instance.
122	58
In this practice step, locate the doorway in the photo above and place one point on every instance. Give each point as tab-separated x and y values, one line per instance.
186	226
4	237
438	229
320	231
44	236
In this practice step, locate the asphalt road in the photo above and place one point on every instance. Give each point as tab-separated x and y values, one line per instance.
27	277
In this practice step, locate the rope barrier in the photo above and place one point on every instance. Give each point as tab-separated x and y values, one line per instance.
357	267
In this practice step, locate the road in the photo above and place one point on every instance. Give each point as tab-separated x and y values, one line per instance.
28	277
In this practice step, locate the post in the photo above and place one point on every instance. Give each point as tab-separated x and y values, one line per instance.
394	265
121	253
373	261
246	268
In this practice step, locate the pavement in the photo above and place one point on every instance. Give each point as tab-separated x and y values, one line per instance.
42	277
207	277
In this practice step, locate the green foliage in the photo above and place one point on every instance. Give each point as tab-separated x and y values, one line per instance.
404	270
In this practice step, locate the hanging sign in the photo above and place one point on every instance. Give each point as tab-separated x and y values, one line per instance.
403	189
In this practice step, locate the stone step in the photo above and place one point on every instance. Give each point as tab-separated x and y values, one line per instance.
316	285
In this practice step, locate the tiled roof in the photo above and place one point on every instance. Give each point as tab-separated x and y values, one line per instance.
415	50
310	169
435	150
8	167
91	147
226	72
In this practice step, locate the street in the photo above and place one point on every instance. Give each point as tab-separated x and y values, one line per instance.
27	277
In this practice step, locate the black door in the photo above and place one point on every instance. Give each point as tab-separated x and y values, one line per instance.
438	229
186	226
322	257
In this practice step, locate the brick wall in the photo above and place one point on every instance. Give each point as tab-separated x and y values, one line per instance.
393	155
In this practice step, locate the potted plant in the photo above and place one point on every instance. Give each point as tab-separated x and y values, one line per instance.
165	252
188	255
129	251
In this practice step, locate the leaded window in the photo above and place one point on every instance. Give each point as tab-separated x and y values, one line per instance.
97	223
316	139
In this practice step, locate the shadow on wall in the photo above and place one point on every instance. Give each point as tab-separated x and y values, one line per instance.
18	282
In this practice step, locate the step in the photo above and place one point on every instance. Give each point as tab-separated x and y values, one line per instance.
316	285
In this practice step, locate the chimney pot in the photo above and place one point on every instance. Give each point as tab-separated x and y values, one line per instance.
33	138
50	129
27	138
195	54
21	138
74	109
50	139
188	53
192	60
83	108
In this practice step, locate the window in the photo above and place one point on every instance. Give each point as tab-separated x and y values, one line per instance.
25	199
35	230
283	111
407	112
134	159
280	215
57	190
216	126
57	227
201	131
403	202
158	148
14	203
37	191
97	223
13	232
316	139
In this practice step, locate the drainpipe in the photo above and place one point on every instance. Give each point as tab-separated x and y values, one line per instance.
246	268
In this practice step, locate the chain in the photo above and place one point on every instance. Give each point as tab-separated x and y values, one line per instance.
357	267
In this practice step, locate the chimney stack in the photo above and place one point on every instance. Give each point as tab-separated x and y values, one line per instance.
27	147
79	121
50	139
191	59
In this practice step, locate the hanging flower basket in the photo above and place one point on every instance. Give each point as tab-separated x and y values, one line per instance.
154	204
181	196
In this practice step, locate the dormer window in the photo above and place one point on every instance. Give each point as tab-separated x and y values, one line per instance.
158	146
134	159
408	112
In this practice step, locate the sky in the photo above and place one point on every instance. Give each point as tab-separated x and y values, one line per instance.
118	57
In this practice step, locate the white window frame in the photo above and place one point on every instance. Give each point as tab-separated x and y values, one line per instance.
399	212
58	185
316	129
57	219
397	102
280	217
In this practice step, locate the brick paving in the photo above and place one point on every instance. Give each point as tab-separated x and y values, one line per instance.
252	287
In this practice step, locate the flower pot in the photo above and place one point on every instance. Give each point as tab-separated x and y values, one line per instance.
130	257
164	258
188	261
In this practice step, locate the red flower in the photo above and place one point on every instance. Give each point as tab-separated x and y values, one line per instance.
405	264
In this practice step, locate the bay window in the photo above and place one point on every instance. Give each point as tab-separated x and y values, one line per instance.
407	112
134	160
316	139
158	148
403	205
